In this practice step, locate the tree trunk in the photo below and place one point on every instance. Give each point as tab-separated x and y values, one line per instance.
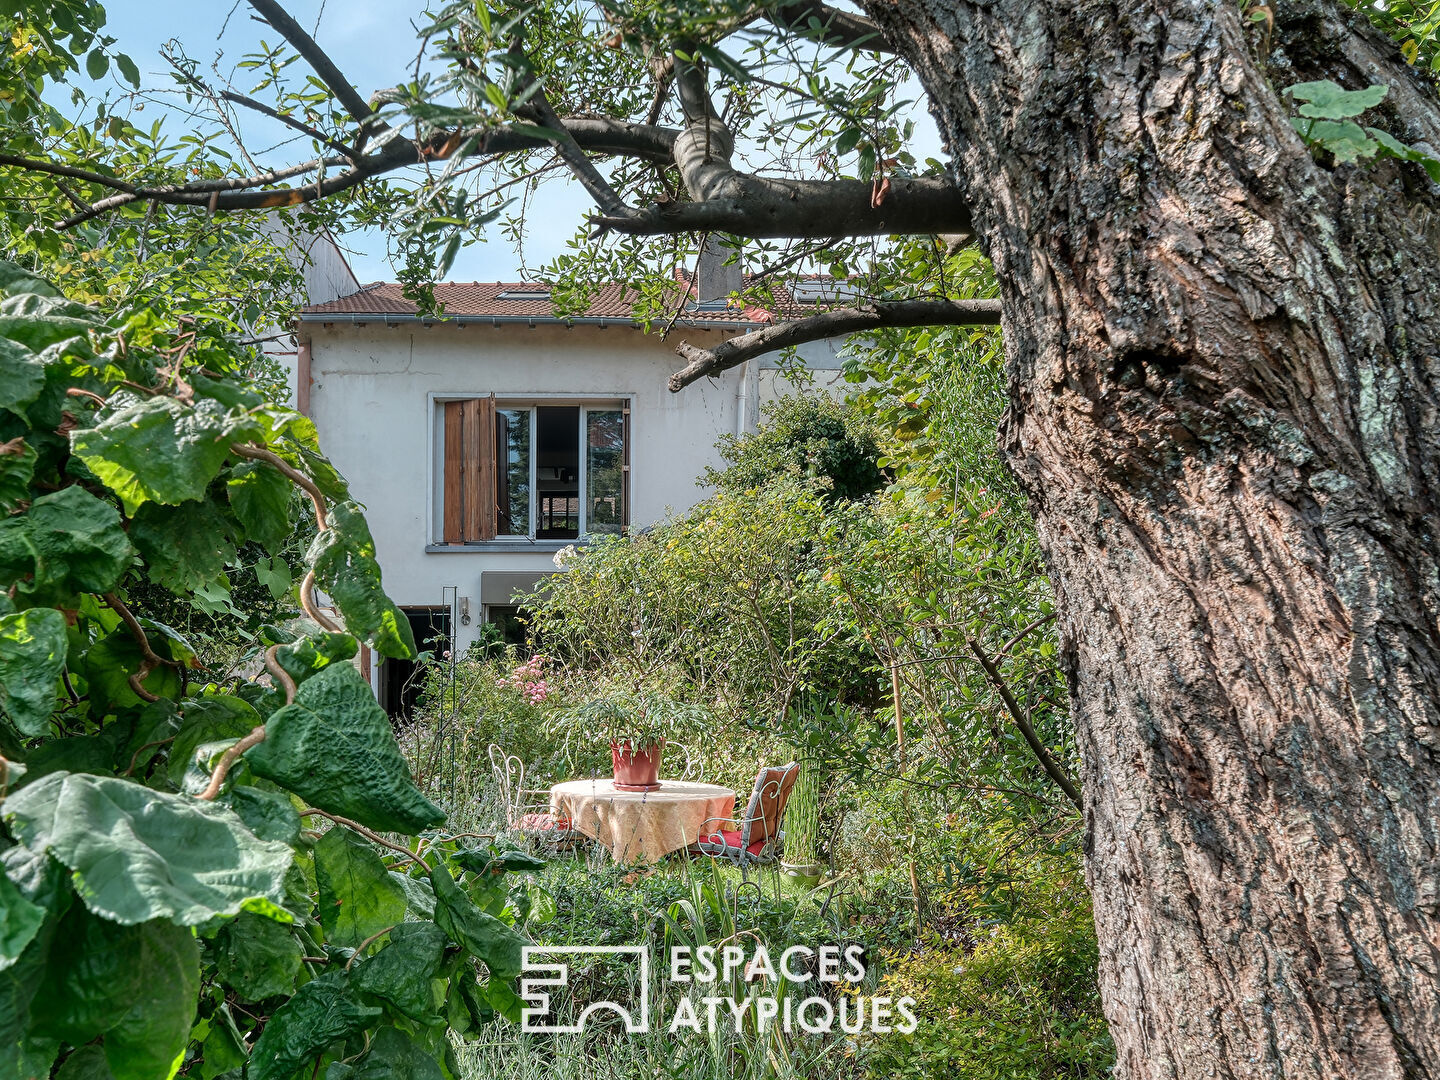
1225	389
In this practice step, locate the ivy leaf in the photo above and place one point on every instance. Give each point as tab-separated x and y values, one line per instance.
393	1055
22	377
76	543
17	469
358	898
401	971
161	450
343	558
1327	100
32	655
479	934
257	957
334	746
138	854
310	654
184	547
261	496
319	1013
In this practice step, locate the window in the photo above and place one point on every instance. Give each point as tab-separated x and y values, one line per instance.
533	470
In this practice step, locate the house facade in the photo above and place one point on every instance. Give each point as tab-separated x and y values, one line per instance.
484	443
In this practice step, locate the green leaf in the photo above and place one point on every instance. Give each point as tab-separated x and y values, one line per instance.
334	746
97	64
185	547
32	656
19	922
76	542
343	558
111	661
86	1063
321	1012
483	936
1329	101
268	814
261	498
1343	138
161	450
257	957
418	894
128	70
22	377
503	999
401	971
17	469
498	862
393	1055
274	574
149	1042
310	654
138	854
358	898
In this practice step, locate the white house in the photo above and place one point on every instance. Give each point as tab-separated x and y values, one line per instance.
483	443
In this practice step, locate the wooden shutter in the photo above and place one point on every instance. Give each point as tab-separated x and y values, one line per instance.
469	473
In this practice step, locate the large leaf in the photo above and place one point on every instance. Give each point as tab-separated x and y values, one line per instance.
303	658
319	1013
19	922
343	557
209	718
22	377
393	1055
161	450
334	747
401	971
261	496
479	934
17	469
149	1041
257	957
138	854
32	655
358	898
76	542
111	661
185	547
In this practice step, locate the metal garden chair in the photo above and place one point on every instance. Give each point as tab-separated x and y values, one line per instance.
755	838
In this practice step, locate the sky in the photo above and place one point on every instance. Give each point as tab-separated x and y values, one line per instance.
372	42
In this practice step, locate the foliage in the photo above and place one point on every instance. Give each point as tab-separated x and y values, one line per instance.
1326	121
637	719
807	436
165	906
1413	24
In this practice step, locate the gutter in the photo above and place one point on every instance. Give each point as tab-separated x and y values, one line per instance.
358	319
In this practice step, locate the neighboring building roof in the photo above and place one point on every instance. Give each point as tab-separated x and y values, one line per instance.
507	301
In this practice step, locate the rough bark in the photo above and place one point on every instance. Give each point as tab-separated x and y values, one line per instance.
1225	389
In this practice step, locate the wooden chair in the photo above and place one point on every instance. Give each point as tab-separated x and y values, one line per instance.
754	838
524	813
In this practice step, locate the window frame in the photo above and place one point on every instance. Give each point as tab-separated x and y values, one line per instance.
435	486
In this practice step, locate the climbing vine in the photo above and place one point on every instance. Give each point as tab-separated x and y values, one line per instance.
206	879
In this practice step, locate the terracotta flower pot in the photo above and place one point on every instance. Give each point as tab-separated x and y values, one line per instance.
636	770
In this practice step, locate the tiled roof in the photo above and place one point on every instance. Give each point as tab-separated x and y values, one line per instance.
486	299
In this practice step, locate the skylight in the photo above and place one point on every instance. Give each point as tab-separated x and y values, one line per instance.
524	294
823	292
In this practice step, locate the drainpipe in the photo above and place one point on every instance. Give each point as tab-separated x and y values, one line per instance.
302	373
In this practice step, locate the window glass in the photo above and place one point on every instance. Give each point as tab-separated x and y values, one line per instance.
512	478
604	476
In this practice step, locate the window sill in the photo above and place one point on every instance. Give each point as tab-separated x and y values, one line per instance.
541	546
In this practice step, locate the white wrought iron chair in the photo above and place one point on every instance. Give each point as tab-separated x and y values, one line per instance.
755	838
694	768
524	812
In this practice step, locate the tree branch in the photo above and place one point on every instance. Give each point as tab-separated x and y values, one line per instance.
289	121
828	324
842	29
1048	763
344	91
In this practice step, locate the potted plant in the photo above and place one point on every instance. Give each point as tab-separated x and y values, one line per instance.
636	726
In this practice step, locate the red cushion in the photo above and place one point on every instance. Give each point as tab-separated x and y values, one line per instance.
541	823
730	838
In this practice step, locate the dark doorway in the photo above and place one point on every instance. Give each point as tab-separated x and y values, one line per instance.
557	472
402	681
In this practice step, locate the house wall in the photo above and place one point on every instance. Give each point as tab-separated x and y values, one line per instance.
373	391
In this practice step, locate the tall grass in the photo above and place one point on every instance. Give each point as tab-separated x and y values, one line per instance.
802	816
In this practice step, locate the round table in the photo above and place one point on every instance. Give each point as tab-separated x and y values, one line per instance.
642	826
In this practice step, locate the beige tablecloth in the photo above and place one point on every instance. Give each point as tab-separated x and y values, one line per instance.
641	826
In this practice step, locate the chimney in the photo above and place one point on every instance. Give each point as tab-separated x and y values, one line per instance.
714	281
